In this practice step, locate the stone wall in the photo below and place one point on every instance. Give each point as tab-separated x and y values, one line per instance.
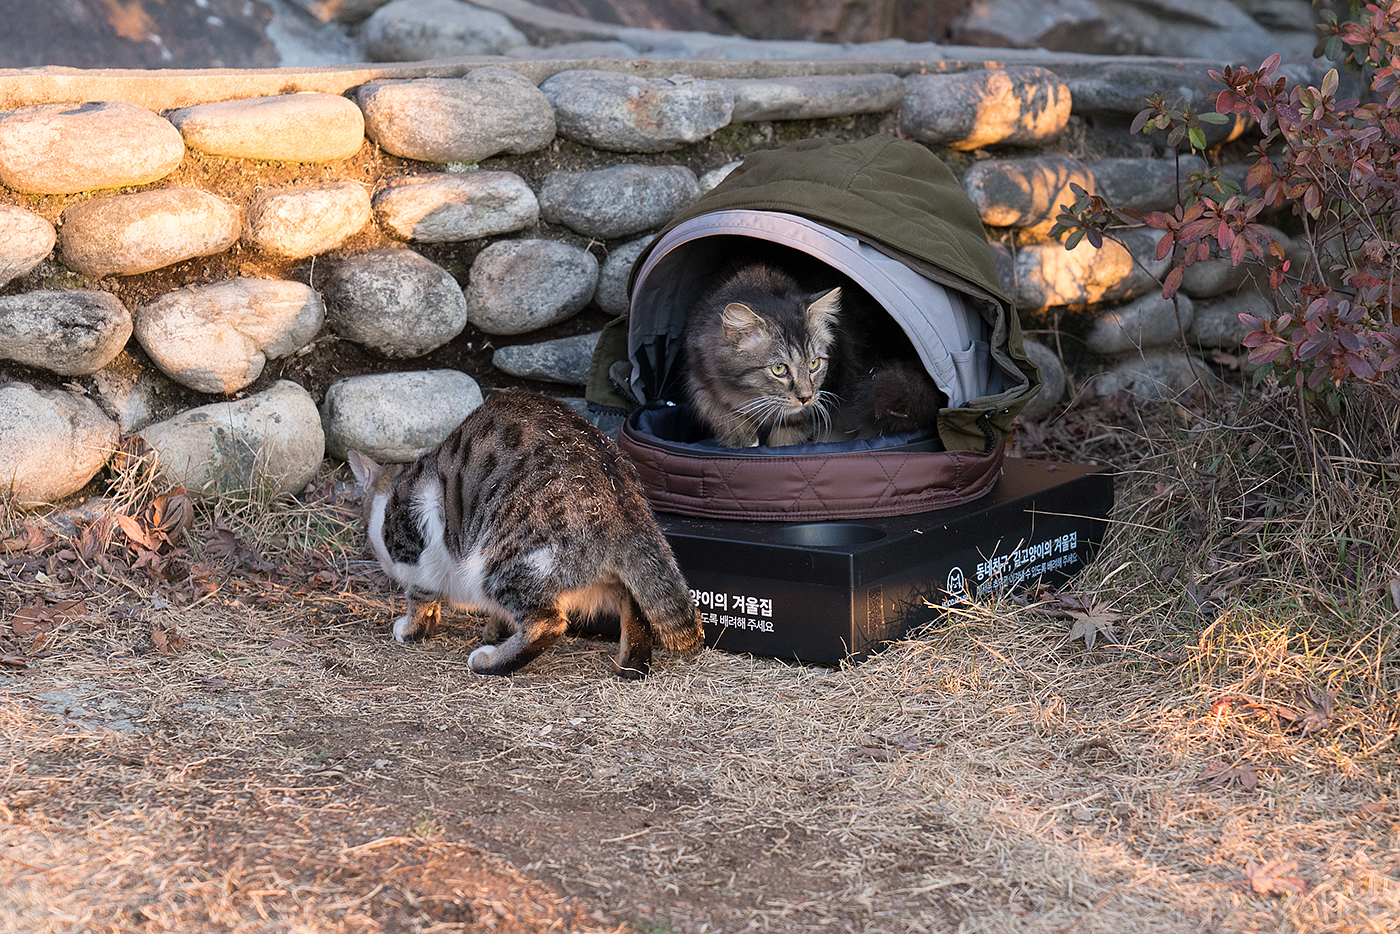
253	270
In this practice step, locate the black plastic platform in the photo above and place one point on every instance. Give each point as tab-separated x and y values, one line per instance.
828	592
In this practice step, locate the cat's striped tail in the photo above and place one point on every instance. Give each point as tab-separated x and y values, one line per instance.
663	597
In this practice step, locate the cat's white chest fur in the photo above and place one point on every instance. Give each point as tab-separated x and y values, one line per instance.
459	581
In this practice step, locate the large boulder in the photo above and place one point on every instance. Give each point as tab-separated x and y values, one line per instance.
304	127
395	302
25	239
416	30
394	417
270	442
1021	106
523	285
59	149
611	110
618	201
52	443
128	234
217	338
302	220
489	111
65	332
444	207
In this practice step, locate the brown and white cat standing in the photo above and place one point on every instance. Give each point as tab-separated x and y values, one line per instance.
529	514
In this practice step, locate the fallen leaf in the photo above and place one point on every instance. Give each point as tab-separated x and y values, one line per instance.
1370	810
1223	774
168	641
1097	748
41	617
15	660
1270	878
1318	708
1395	594
1091	623
28	621
172	512
137	533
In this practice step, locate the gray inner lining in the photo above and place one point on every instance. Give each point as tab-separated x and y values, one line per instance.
950	337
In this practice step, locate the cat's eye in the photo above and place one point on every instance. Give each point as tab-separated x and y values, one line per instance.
816	365
778	369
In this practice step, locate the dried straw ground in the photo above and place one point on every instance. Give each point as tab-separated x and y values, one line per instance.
238	746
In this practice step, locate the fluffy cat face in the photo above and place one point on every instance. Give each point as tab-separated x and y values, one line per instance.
785	368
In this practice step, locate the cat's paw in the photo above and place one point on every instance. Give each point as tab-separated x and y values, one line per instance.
404	631
480	658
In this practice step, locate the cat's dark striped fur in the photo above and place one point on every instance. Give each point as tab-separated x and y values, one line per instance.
771	361
529	514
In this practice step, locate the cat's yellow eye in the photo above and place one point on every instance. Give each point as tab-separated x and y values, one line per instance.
778	369
816	365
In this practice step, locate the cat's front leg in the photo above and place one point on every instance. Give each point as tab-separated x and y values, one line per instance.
422	619
785	433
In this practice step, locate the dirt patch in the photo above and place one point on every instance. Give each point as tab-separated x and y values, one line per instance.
226	738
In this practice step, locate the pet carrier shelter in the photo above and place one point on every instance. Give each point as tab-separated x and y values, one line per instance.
890	216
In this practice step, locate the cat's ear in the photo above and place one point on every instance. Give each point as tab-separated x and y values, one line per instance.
822	311
364	469
739	322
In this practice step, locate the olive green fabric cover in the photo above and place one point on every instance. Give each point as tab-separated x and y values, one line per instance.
901	199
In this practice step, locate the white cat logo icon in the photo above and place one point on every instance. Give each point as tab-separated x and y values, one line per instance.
957	585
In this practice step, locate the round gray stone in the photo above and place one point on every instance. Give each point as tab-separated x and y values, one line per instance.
1114	92
128	234
417	30
564	360
611	295
69	332
271	442
812	97
442	207
523	285
394	417
217	338
1217	322
1149	322
1156	377
395	302
1052	375
60	149
609	110
1219	276
25	239
1025	192
302	220
51	443
1143	184
617	201
304	127
467	119
1020	106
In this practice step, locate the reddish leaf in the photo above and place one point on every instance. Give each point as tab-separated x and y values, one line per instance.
1270	878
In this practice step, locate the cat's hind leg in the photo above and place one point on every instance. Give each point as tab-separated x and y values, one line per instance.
633	660
537	630
421	621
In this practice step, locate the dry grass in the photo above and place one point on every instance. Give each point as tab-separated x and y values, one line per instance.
287	768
